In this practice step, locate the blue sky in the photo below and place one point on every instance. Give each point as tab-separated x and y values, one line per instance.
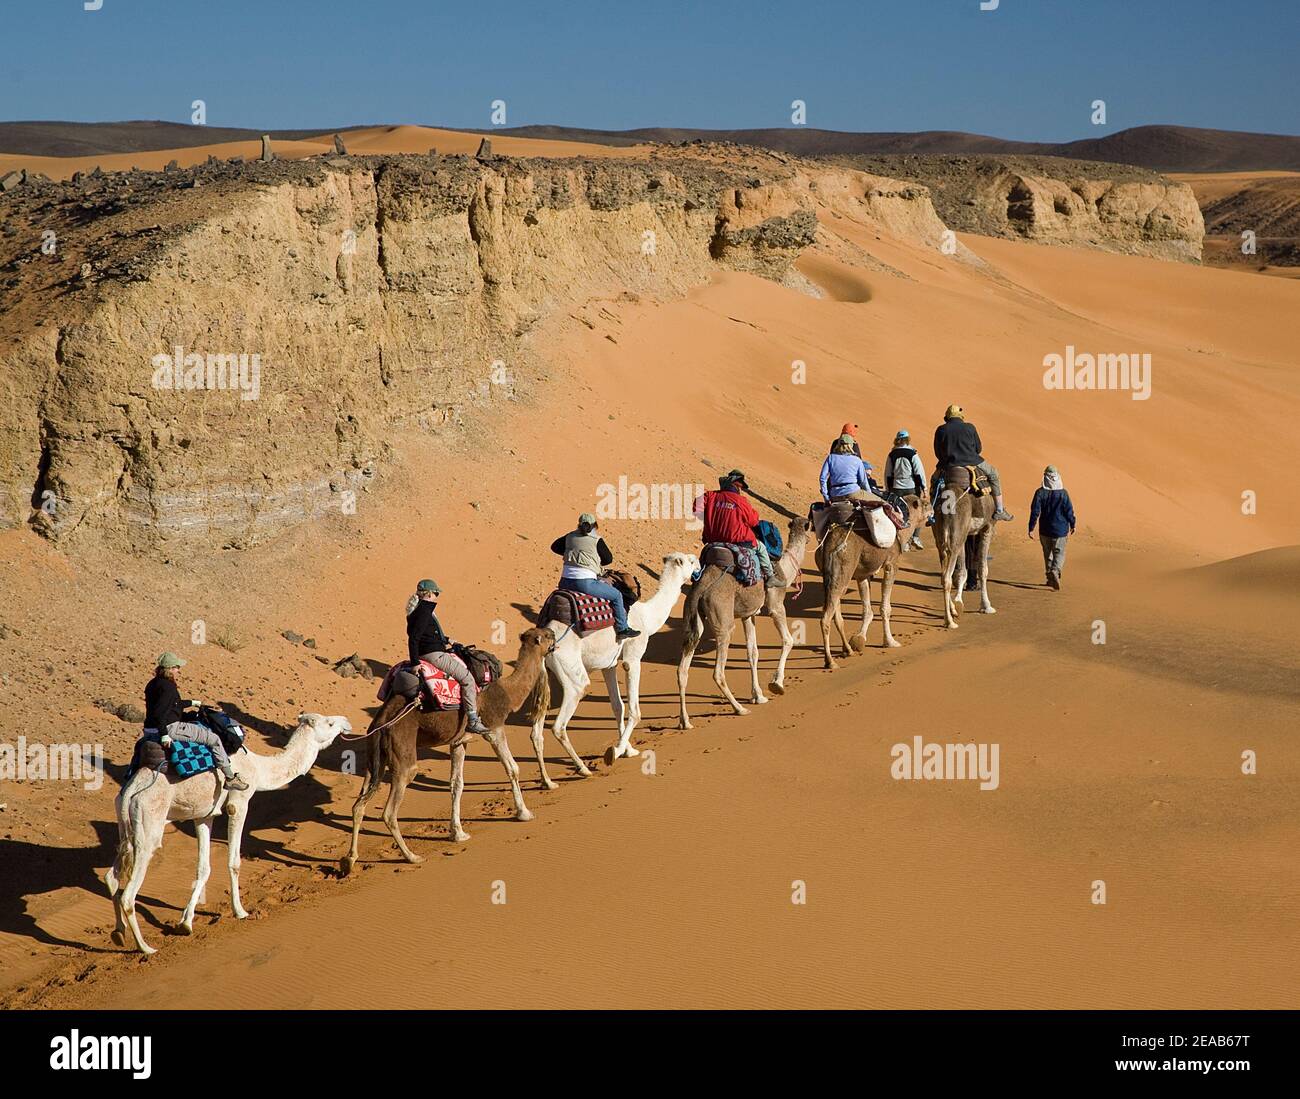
1029	70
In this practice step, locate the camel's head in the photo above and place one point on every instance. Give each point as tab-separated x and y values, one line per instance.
800	525
685	563
536	638
323	729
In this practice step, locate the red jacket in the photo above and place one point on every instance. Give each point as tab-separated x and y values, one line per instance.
728	517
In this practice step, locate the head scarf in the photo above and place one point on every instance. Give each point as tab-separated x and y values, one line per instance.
1051	479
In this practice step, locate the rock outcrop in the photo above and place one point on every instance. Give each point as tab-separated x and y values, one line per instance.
212	355
1051	200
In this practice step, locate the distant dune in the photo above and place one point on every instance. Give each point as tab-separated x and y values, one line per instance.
1163	148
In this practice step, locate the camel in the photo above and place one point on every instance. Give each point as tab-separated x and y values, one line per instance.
398	727
714	603
844	557
959	516
574	657
149	800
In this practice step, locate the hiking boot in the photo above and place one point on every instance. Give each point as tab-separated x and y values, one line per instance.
234	782
625	635
476	724
1003	516
1054	582
775	582
929	520
916	542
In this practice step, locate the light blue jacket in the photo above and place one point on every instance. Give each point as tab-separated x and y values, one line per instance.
842	474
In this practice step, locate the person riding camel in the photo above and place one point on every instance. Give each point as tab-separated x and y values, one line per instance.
425	640
905	474
844	475
164	716
585	556
731	519
957	443
851	430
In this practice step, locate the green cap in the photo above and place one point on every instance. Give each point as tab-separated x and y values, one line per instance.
170	660
429	585
1051	469
586	518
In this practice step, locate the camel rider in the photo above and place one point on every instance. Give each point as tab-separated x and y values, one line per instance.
904	474
957	443
164	717
585	557
851	430
426	641
731	519
845	476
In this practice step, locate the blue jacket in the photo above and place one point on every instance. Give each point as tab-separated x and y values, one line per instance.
842	474
1056	512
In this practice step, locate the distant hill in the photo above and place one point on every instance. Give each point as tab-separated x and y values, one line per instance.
1162	148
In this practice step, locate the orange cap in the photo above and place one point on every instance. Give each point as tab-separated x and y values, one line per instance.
849	429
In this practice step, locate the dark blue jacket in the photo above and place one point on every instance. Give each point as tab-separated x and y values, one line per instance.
1056	512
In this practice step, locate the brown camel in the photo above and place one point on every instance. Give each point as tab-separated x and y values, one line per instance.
717	599
959	516
393	749
845	556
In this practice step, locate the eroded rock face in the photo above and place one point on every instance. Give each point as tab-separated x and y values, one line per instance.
216	354
1055	201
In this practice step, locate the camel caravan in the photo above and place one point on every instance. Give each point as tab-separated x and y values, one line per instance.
192	763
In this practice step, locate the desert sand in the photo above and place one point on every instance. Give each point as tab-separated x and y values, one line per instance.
1119	762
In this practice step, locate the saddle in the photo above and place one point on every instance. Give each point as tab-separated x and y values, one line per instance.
740	561
410	678
584	614
961	478
876	520
184	759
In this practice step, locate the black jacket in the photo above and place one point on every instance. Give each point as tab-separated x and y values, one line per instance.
957	443
162	703
423	631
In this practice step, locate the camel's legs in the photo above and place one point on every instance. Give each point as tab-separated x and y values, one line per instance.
497	738
886	602
948	555
829	613
575	686
203	830
751	649
777	686
402	773
690	641
458	834
839	625
237	812
145	844
720	669
538	735
633	719
369	785
864	593
986	536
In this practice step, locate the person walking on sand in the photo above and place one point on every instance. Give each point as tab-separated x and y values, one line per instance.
1054	513
164	716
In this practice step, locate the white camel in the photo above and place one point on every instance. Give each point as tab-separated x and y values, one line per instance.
574	657
149	800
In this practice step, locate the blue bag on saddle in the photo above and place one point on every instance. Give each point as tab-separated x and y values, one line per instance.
767	531
225	726
186	758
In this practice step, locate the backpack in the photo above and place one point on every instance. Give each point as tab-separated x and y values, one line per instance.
771	538
483	666
225	726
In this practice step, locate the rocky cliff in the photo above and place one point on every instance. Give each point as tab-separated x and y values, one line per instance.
1051	200
200	358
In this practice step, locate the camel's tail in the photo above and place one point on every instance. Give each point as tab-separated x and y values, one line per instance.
377	754
130	817
538	701
692	622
